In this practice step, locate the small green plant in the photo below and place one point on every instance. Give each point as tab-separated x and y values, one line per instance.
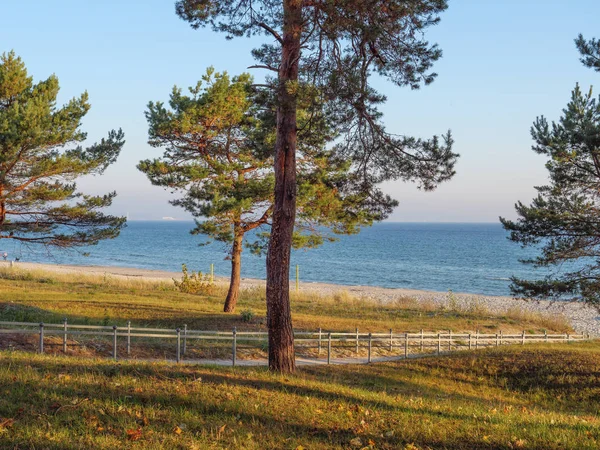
247	315
194	282
452	302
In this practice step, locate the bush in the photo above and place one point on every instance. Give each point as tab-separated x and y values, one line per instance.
247	315
194	282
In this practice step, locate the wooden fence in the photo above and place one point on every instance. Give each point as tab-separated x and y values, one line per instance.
321	342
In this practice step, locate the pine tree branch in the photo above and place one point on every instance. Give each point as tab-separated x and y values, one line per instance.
270	30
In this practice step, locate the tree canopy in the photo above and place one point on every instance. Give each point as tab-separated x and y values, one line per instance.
562	220
590	52
218	153
343	44
40	159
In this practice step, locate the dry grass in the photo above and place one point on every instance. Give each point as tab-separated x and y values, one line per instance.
546	320
92	299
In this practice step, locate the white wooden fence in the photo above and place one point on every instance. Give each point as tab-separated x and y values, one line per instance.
398	344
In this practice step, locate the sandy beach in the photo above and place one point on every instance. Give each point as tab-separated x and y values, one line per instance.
583	318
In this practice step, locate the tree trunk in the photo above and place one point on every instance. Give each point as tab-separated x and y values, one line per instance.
236	268
279	317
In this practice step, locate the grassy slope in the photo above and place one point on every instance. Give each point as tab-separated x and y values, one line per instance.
37	297
532	397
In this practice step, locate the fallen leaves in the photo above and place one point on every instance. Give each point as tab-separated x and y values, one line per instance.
517	443
6	423
134	435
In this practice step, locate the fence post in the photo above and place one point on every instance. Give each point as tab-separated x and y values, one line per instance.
391	340
439	343
523	338
178	352
470	342
421	340
184	338
449	340
501	339
406	345
356	341
65	335
128	337
545	335
41	337
370	343
497	342
115	342
234	347
568	338
476	339
329	348
320	334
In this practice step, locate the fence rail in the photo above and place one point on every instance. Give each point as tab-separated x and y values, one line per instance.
404	344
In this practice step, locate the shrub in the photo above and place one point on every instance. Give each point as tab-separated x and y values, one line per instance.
247	315
194	282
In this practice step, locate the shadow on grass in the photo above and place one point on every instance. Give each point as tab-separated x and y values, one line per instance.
177	390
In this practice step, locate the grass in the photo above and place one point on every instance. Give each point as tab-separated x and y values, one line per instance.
513	397
532	397
37	296
32	296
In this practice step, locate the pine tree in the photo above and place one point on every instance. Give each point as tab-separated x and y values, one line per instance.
563	219
40	160
590	52
218	144
335	47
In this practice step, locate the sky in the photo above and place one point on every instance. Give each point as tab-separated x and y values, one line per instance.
504	63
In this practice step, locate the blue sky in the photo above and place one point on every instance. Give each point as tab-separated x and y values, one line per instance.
504	64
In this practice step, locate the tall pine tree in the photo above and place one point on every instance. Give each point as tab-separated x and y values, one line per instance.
563	219
335	47
40	160
218	154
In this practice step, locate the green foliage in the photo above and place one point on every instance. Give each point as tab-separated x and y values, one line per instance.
40	159
343	45
563	219
212	156
218	153
247	315
194	282
590	52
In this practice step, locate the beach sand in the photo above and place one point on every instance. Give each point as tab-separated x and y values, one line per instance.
583	318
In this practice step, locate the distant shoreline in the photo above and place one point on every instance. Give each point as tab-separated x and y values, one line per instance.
583	318
162	275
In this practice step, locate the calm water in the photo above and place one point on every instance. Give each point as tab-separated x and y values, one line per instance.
475	258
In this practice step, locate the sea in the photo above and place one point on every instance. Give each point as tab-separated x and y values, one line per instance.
474	258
